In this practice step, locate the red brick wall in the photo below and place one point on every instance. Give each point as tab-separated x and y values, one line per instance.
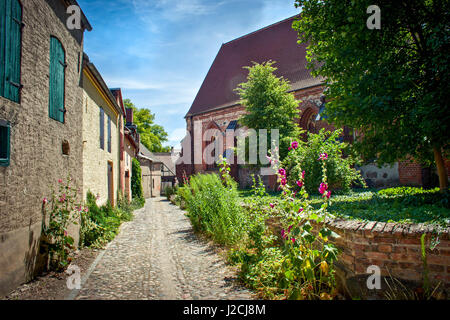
391	246
410	173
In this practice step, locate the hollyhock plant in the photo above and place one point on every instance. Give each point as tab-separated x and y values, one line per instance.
323	156
307	248
62	211
323	187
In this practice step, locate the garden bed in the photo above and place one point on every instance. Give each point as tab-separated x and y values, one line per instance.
401	205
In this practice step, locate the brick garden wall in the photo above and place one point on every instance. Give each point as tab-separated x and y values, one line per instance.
393	247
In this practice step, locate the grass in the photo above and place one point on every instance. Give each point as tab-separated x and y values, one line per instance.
402	204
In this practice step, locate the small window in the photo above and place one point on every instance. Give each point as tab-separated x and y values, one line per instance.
4	143
102	129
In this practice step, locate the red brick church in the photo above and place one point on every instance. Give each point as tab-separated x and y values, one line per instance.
217	106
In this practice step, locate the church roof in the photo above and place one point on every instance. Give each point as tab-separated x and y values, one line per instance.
277	42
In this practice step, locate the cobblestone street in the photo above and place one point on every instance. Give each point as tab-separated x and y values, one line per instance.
157	256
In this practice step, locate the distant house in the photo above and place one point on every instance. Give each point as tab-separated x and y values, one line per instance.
168	167
40	124
102	117
129	145
151	172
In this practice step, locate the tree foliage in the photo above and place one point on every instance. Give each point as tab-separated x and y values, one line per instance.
152	135
268	103
392	84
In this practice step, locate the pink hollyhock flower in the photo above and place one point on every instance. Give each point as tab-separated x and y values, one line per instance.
323	156
282	172
303	175
271	205
290	148
60	181
328	194
289	229
300	210
283	181
45	201
283	234
299	183
323	187
294	145
293	240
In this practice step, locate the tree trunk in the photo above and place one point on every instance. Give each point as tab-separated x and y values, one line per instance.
440	165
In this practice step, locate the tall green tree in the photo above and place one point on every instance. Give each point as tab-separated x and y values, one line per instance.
152	135
391	84
269	105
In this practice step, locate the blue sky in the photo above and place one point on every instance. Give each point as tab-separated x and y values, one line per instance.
159	51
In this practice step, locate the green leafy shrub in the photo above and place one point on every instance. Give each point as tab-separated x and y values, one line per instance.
136	181
101	224
213	207
339	169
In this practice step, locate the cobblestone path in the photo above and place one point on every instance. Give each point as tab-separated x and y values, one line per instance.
157	256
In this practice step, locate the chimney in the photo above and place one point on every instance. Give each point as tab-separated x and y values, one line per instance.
129	112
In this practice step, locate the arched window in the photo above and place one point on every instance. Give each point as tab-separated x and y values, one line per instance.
10	49
57	80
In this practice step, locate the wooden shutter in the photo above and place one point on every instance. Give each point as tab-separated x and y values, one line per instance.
4	143
102	129
11	43
109	134
2	46
57	80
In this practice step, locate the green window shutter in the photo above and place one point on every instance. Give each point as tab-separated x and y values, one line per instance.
2	46
57	80
102	129
11	43
5	130
109	134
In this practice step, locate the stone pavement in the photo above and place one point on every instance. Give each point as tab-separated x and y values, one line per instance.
157	256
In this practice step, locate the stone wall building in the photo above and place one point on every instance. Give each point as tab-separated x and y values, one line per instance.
101	137
40	124
151	173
